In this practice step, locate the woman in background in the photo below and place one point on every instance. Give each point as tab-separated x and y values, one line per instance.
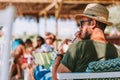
17	54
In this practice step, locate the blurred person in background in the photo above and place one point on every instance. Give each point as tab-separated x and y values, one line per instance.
28	59
17	55
49	45
39	42
40	72
29	46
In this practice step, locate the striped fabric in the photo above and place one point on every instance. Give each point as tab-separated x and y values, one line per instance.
43	70
104	66
43	59
40	73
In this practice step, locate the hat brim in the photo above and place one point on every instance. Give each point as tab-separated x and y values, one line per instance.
78	16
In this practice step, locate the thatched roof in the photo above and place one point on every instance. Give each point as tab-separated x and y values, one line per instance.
39	7
63	8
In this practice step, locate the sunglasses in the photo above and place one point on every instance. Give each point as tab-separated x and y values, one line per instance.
49	38
82	22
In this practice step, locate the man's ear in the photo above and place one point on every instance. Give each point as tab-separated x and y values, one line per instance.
93	24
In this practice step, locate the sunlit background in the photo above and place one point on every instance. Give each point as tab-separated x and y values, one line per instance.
66	27
29	26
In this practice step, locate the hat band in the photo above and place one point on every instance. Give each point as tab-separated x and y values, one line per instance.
98	17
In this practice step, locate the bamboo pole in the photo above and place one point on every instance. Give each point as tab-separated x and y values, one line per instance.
58	7
47	8
45	17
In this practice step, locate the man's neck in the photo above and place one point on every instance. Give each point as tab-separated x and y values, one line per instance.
98	35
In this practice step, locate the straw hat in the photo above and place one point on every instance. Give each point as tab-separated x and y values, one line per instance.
97	12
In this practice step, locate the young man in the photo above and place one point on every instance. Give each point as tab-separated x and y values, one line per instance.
93	46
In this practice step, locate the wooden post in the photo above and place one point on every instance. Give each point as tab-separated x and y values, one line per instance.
37	19
44	12
58	7
45	17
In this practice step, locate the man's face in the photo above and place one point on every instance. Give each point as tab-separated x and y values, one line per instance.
85	28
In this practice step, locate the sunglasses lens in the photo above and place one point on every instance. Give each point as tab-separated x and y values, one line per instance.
49	38
82	22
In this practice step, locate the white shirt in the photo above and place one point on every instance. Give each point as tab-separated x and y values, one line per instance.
45	48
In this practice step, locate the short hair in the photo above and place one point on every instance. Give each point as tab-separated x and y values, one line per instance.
48	34
101	25
20	41
39	38
28	41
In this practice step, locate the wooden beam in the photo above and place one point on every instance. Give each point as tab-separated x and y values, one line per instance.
47	8
58	7
90	1
53	4
65	1
27	1
70	7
